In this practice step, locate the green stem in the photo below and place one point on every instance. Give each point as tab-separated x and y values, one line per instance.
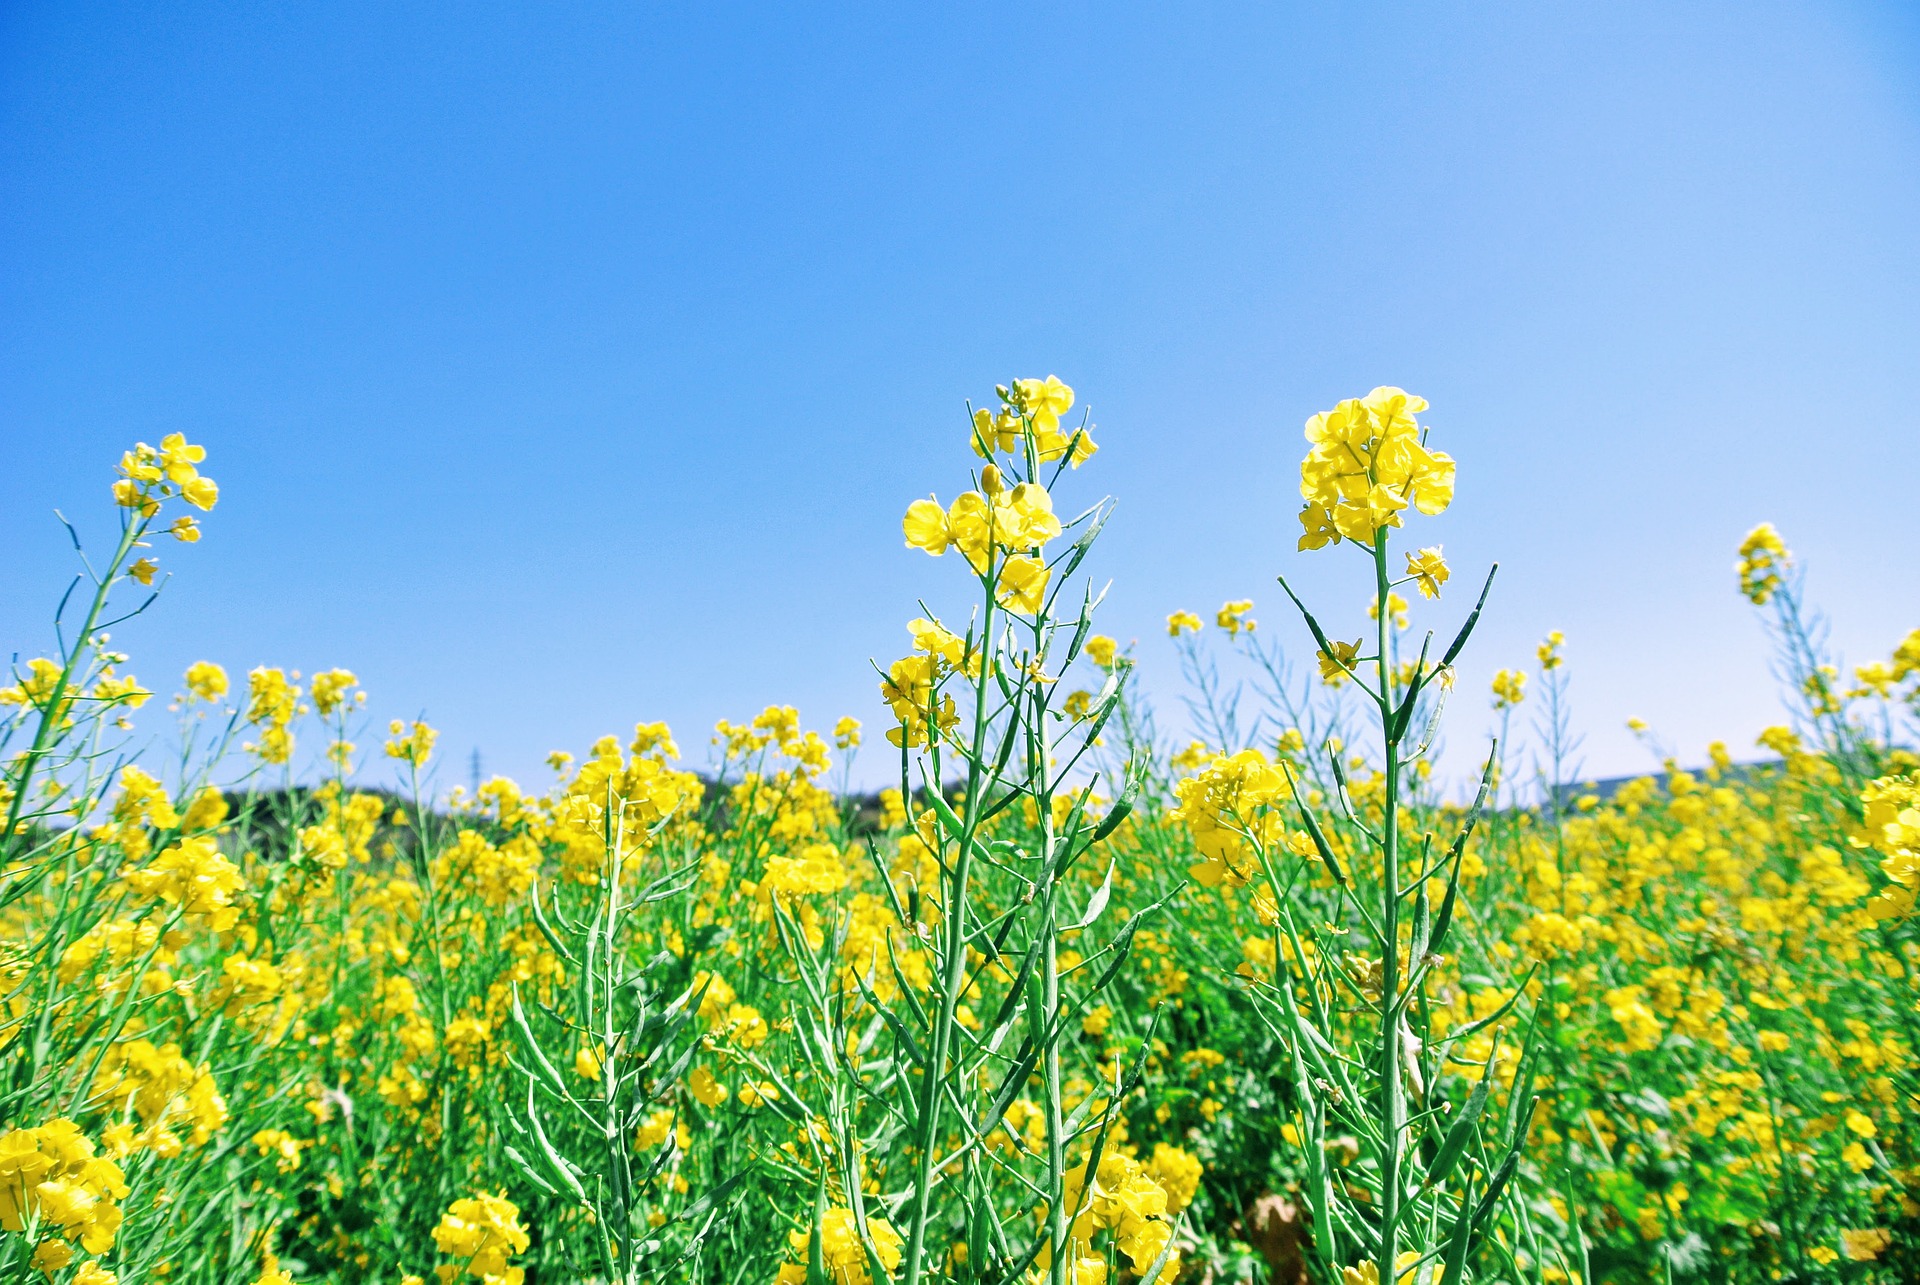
955	963
49	729
1390	1050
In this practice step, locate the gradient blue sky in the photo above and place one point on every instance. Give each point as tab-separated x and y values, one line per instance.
568	365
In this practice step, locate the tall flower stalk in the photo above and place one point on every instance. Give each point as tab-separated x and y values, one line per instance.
1342	870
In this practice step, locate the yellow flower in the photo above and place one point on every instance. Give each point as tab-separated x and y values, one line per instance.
1763	560
36	689
1509	688
1863	1246
1045	400
1023	585
52	1255
114	690
1429	571
709	1091
143	570
842	1250
1317	529
1549	651
274	746
925	526
271	699
282	1146
178	458
1233	617
51	1174
331	688
1336	668
414	745
194	875
758	1093
995	431
1178	1174
935	639
1368	1273
141	464
1224	807
482	1232
1906	657
206	680
1367	463
1023	518
1182	622
185	530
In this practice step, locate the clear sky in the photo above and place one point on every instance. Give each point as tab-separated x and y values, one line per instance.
566	365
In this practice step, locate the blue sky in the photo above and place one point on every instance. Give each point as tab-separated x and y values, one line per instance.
569	365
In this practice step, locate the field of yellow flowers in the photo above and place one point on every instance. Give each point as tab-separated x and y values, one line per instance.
1068	1003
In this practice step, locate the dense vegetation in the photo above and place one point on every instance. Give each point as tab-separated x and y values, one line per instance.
1071	1003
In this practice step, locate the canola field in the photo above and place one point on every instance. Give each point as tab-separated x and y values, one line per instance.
1073	1002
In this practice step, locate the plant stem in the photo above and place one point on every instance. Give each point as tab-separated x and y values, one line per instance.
956	946
1390	1052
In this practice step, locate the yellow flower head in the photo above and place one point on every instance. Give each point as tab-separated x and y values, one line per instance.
1044	400
206	681
1233	616
414	744
1336	667
1428	571
333	688
1549	651
1763	561
1023	585
842	1249
272	699
481	1233
1368	462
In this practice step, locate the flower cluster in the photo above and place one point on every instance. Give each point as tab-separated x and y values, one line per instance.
1225	806
56	1189
1764	560
1890	810
1030	411
842	1250
195	877
1369	461
1135	1204
149	475
1017	521
481	1233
